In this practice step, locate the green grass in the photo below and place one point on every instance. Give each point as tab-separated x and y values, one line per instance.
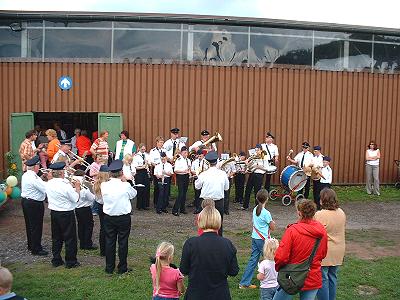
376	237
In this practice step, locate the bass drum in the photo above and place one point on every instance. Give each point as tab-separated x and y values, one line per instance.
293	178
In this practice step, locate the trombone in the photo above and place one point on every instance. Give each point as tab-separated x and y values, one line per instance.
77	157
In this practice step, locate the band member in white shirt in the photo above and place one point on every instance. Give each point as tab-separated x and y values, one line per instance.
317	164
163	172
182	170
229	169
198	167
255	178
128	169
117	219
272	154
174	145
205	135
84	215
240	177
143	175
154	160
213	182
33	194
124	146
63	199
326	174
303	160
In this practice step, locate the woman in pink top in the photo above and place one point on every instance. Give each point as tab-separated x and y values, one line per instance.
167	280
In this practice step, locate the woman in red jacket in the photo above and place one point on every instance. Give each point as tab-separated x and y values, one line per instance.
296	246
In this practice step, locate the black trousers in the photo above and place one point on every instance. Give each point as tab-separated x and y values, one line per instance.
316	191
267	184
239	187
143	193
182	180
163	194
155	190
117	227
219	205
197	200
306	188
33	214
323	186
102	234
63	230
254	182
226	197
84	218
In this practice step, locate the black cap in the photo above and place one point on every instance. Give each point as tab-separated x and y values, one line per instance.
33	161
242	153
184	148
317	148
327	158
57	166
199	152
269	134
258	146
163	154
305	145
205	132
212	156
175	130
115	166
104	168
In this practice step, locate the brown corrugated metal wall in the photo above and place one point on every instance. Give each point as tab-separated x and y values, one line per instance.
338	110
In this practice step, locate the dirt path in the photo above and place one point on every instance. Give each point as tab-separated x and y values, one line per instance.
365	222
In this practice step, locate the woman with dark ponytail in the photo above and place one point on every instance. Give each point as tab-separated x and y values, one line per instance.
262	225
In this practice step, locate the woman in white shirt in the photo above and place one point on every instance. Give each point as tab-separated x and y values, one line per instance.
372	156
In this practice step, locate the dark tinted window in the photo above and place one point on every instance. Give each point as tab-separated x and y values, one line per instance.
386	57
10	43
328	54
35	40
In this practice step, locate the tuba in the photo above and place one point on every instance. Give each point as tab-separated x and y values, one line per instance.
215	138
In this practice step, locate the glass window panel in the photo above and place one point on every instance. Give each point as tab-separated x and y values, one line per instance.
284	31
386	58
360	56
10	43
145	44
147	25
220	47
343	35
387	38
280	50
35	24
328	54
221	28
66	23
85	43
35	40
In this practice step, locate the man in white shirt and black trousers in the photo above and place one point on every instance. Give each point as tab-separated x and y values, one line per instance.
163	172
117	219
173	145
213	182
272	153
33	194
182	170
63	199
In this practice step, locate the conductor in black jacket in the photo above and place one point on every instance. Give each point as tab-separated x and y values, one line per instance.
208	260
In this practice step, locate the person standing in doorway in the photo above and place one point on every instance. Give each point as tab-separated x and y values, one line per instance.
61	135
26	150
54	142
77	133
100	147
124	146
372	157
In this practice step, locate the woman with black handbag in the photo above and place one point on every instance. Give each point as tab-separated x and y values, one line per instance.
299	255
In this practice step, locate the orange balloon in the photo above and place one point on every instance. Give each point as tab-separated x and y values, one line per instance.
8	190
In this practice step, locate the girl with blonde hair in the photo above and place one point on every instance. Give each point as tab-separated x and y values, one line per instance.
266	270
167	280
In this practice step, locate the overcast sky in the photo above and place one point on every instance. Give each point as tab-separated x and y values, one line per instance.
382	13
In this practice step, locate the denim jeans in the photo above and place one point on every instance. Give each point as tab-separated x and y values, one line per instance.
329	283
162	298
256	250
267	293
304	295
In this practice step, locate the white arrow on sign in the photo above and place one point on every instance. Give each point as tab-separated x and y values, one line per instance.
65	83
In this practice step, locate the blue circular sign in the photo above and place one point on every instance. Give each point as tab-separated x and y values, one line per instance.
65	82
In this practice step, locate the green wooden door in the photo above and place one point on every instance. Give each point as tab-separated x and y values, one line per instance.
112	122
20	123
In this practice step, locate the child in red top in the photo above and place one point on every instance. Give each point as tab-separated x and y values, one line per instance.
167	281
204	203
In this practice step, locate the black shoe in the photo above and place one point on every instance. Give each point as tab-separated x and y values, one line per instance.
93	247
227	213
128	270
146	208
184	212
74	265
40	253
159	212
165	211
102	254
139	209
57	264
175	214
109	271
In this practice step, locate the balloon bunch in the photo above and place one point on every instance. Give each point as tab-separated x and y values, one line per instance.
9	190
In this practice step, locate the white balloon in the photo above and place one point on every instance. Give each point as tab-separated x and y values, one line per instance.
12	181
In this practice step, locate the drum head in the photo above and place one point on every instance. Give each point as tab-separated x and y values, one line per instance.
271	170
297	181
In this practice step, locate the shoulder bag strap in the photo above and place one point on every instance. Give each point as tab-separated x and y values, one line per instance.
314	250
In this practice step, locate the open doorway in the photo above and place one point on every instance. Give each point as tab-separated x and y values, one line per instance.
68	121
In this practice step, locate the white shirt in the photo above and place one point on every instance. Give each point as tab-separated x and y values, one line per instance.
59	154
63	134
373	153
32	186
127	149
327	173
129	171
212	182
86	198
273	149
61	195
317	161
138	160
267	267
308	158
116	197
199	143
182	164
161	169
155	155
73	145
169	146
